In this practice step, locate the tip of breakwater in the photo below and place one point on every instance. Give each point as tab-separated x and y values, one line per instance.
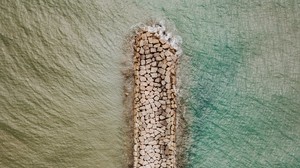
160	29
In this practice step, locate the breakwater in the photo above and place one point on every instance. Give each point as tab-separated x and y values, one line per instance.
155	65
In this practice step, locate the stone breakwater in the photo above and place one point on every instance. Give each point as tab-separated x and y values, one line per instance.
155	63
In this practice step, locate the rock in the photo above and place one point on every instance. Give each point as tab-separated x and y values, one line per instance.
149	126
144	84
157	80
144	36
156	54
142	72
152	143
168	86
162	102
142	79
148	61
157	104
149	34
153	69
162	41
169	63
141	43
164	66
169	59
150	40
148	107
152	50
168	53
156	45
149	88
141	139
149	56
154	75
159	49
162	55
155	41
148	66
153	64
148	148
146	47
161	117
161	71
167	79
158	58
166	46
142	51
147	51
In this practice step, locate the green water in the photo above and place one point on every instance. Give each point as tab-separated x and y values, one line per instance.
245	99
61	83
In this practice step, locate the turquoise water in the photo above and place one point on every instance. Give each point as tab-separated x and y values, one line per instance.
61	87
245	98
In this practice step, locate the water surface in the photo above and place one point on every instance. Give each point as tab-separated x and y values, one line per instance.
61	83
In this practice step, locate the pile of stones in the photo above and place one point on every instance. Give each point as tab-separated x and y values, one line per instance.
155	63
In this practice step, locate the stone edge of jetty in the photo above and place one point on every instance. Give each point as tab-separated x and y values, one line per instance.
156	55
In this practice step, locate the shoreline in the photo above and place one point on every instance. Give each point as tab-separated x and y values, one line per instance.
155	101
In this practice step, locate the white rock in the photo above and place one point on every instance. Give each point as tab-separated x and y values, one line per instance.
153	69
142	51
142	79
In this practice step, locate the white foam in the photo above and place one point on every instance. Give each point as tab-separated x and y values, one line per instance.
160	29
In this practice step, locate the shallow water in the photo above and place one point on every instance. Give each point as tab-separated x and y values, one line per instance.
245	85
61	83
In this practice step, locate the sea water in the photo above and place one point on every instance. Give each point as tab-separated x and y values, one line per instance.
61	87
